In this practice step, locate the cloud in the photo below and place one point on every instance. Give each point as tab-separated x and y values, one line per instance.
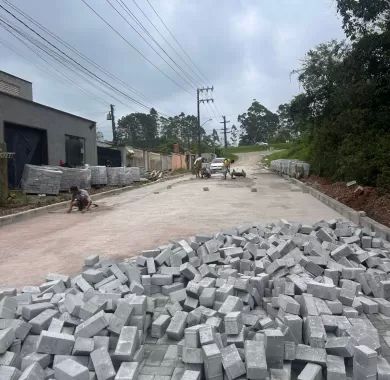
245	48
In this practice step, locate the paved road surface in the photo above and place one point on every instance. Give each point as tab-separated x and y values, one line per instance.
144	218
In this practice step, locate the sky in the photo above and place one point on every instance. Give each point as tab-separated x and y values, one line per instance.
244	49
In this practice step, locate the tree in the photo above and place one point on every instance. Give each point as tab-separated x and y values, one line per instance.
364	17
233	135
319	73
215	137
139	129
99	135
343	115
181	129
257	124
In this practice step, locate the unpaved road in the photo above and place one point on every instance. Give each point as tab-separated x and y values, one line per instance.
144	218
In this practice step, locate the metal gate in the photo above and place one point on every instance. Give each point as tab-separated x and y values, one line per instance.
30	147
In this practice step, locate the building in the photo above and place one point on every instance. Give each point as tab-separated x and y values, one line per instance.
39	134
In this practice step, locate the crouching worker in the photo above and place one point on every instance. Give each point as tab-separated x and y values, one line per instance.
80	199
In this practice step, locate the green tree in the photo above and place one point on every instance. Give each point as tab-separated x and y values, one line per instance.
215	137
364	17
257	124
139	129
234	135
343	115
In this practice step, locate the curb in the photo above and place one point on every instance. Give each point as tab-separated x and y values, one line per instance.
357	217
18	217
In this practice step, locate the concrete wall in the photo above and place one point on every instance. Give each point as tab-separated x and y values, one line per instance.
56	123
138	158
178	161
154	161
166	162
15	86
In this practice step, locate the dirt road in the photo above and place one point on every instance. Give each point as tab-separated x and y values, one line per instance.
144	218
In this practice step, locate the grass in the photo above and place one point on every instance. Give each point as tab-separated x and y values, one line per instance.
244	149
18	201
294	151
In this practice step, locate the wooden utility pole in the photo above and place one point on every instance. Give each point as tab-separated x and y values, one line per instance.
114	136
225	131
198	101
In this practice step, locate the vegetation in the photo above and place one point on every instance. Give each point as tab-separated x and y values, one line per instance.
155	132
341	121
296	151
245	148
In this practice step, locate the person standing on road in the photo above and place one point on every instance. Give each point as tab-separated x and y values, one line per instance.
226	167
198	166
80	199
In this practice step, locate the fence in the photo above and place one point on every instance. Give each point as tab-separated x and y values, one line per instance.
149	161
178	161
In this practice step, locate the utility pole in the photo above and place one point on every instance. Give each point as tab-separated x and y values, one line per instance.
199	91
111	116
225	131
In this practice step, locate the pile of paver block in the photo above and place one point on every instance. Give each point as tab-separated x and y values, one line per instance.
115	176
41	180
134	173
280	301
80	177
292	168
122	176
98	175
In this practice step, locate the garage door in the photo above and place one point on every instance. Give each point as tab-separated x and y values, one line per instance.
30	147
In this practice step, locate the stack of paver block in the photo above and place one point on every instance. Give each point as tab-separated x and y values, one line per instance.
80	177
127	177
278	301
98	175
292	168
134	172
115	176
122	176
41	180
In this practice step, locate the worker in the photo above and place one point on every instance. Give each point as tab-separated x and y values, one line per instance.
80	199
198	166
226	167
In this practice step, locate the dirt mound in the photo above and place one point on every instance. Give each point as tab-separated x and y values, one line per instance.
361	198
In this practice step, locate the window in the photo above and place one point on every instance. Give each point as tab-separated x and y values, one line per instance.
75	150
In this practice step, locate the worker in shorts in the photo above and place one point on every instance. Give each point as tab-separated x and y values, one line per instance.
80	199
198	166
226	167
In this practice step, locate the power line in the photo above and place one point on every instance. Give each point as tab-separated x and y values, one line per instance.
54	73
168	43
188	77
54	55
178	43
74	50
73	60
134	48
148	43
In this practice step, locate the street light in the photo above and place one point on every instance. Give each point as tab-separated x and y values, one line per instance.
206	122
200	126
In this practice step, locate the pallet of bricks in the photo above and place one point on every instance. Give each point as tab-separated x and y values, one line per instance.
276	301
122	176
41	180
292	168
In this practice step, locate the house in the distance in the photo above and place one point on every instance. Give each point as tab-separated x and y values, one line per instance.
39	134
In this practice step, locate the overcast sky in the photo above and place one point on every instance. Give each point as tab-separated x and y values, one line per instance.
245	48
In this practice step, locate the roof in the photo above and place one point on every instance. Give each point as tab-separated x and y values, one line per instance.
14	76
46	107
